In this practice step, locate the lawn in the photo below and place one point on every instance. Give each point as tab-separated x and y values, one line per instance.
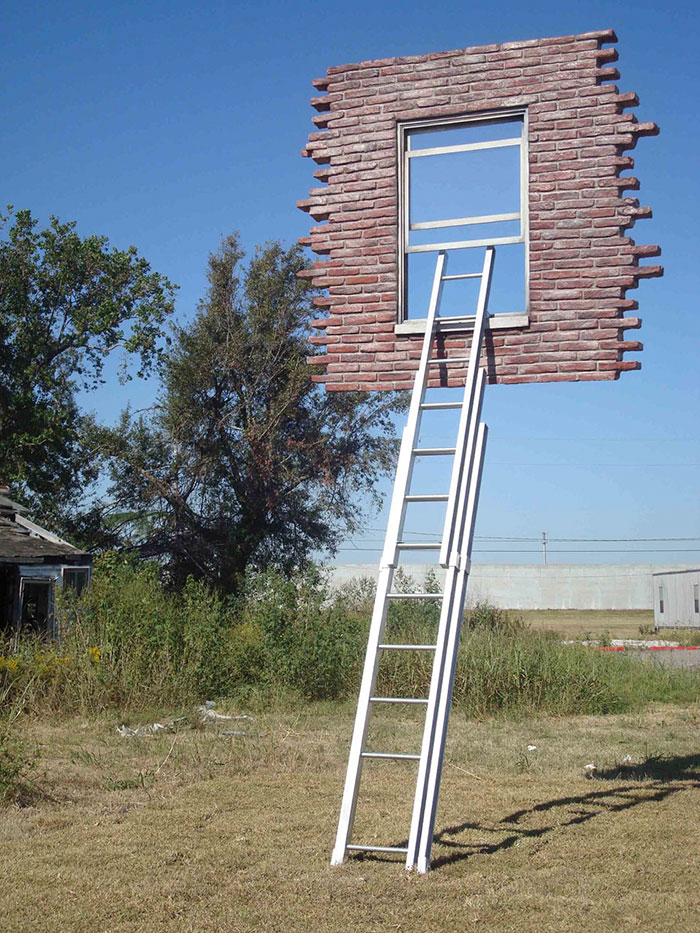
197	831
617	623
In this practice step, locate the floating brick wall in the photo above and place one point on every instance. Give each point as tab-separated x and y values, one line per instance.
582	262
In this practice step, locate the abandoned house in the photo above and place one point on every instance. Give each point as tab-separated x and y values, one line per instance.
33	562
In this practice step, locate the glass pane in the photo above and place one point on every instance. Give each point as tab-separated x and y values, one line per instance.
459	296
75	580
464	184
489	231
508	279
461	133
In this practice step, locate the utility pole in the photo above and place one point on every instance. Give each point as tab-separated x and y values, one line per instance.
544	547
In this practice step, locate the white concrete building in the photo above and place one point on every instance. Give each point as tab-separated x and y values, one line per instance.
545	586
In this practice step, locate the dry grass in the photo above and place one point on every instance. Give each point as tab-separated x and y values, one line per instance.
198	832
617	623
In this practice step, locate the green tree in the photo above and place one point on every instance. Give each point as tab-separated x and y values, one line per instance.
66	304
245	461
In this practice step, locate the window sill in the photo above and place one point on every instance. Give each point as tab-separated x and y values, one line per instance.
506	321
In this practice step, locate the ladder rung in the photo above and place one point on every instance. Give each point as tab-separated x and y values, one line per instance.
419	545
433	451
400	755
355	848
414	595
465	275
396	700
428	497
459	319
408	647
440	406
448	359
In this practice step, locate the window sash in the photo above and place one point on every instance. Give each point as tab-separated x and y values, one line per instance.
405	132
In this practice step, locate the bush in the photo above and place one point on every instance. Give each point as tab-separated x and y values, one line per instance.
482	615
17	765
127	642
17	761
305	643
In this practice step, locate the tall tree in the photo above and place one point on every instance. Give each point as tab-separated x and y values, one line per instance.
66	304
245	459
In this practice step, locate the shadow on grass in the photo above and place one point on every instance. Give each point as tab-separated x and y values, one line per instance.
657	778
655	768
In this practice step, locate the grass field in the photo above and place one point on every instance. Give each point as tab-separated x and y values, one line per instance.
617	623
195	831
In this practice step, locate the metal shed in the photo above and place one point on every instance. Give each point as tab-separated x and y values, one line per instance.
677	599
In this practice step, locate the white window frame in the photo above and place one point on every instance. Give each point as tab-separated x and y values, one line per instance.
49	582
499	321
69	567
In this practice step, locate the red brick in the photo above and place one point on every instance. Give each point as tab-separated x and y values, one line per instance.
580	264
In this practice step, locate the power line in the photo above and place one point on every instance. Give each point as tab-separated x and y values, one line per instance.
617	440
623	539
627	466
504	538
675	550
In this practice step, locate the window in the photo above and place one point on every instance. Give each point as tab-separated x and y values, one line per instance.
463	187
696	597
661	600
76	578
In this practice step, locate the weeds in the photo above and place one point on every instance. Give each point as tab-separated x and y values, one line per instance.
18	763
128	643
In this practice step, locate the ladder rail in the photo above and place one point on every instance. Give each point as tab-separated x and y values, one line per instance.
384	582
450	661
419	800
451	589
404	468
467	403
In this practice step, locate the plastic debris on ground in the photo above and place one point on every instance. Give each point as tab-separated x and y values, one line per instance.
206	715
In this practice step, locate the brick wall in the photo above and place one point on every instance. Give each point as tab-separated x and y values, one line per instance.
582	262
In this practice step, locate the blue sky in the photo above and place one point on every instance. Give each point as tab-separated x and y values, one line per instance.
167	125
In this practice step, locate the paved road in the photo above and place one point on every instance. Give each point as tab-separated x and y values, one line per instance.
679	659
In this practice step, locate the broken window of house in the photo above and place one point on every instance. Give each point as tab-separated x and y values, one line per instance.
76	578
464	187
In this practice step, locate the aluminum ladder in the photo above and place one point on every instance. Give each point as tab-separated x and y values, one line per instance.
454	555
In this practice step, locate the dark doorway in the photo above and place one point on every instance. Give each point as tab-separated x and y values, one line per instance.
36	606
9	584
